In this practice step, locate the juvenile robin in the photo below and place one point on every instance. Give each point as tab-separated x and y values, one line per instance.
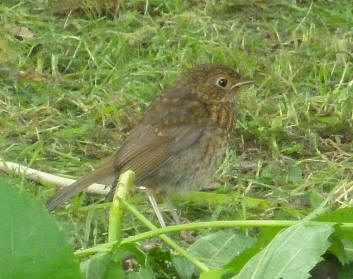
181	140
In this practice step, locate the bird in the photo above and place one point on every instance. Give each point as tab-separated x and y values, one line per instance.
180	141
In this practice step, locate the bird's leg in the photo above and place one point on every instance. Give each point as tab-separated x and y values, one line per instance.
172	210
184	234
156	208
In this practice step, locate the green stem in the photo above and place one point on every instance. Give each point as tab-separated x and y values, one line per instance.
165	238
126	181
201	225
206	225
100	248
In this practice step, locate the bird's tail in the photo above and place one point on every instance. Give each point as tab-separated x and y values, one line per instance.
105	170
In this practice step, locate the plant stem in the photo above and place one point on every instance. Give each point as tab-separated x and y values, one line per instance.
126	181
165	238
202	225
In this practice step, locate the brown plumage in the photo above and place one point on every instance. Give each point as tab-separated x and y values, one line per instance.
181	139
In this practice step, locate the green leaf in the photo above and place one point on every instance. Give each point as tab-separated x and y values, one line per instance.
184	268
110	265
124	251
32	245
97	267
341	215
291	254
214	274
341	238
143	273
214	250
265	237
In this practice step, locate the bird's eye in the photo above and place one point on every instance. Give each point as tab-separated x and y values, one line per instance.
222	82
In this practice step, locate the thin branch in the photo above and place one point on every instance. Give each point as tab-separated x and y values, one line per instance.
55	180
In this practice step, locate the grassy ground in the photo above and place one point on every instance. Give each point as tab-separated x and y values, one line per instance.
72	84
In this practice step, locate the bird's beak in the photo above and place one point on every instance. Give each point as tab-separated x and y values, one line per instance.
243	82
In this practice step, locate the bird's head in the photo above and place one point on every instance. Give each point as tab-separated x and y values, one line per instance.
212	83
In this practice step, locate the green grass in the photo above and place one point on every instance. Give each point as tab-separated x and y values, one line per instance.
70	94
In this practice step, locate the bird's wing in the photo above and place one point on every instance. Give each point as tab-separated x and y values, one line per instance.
172	124
147	148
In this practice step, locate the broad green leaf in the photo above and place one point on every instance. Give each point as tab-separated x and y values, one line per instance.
31	243
98	265
213	274
264	237
143	273
214	250
184	268
291	254
110	265
342	239
124	251
217	249
341	215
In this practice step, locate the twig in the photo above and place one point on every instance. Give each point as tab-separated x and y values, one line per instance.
40	176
